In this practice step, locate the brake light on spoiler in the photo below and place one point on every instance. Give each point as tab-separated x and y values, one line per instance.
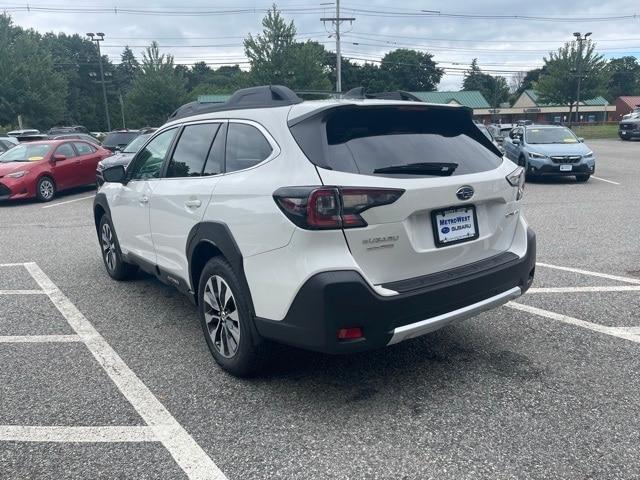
326	208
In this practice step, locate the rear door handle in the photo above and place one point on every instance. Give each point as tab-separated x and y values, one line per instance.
193	203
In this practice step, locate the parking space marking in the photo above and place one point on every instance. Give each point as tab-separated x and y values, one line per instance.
604	180
628	333
590	273
21	292
603	288
183	448
51	205
39	338
19	433
11	264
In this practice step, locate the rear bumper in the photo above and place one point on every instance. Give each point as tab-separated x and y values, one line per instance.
329	301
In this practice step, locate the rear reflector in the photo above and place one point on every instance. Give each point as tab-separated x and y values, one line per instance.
351	333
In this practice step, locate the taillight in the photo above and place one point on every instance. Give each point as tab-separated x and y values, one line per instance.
322	208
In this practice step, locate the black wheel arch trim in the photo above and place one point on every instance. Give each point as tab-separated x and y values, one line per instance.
218	235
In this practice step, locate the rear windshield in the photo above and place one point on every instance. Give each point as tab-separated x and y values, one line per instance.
120	138
362	139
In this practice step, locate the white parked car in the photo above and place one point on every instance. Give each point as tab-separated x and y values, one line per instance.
336	226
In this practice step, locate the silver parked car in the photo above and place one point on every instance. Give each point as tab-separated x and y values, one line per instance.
550	150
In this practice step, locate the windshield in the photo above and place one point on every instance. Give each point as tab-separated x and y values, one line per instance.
26	153
550	135
136	143
120	138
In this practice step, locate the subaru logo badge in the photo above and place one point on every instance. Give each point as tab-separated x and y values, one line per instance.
465	192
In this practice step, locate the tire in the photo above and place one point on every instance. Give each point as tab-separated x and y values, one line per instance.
46	189
582	178
230	336
116	267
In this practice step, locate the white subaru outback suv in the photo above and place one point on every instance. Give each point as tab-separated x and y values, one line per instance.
338	225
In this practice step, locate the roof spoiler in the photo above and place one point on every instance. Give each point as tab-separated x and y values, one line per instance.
360	93
265	96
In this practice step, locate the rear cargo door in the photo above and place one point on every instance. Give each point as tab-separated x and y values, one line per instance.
443	220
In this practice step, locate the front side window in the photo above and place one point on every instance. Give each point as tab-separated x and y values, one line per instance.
246	147
192	150
149	160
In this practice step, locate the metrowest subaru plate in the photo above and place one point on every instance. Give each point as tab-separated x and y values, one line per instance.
454	225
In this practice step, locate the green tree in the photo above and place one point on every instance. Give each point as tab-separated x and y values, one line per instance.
559	83
269	52
226	79
29	84
127	70
405	69
158	89
625	77
493	88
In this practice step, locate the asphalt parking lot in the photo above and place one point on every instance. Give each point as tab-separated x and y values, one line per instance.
100	379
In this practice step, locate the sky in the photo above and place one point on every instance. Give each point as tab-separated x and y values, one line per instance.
505	36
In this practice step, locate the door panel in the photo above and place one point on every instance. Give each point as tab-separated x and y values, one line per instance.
130	206
65	171
180	199
87	162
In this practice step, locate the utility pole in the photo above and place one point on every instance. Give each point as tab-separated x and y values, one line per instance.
97	38
336	21
580	39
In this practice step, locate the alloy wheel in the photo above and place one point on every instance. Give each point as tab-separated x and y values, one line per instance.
108	247
221	316
46	189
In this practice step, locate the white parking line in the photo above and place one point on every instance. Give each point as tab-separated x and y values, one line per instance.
604	180
604	288
51	205
11	264
182	447
21	292
39	338
628	333
18	433
593	274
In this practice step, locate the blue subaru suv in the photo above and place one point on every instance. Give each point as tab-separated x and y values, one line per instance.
545	150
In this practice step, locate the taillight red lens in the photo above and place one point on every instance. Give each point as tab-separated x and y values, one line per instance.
351	333
323	209
317	208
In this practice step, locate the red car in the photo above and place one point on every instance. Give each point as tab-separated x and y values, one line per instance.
40	169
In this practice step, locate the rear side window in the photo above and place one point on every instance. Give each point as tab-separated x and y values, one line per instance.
246	147
363	139
84	148
192	150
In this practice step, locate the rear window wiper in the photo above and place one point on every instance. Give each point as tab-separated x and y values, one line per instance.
421	168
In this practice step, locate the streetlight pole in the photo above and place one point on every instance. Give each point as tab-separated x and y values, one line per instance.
580	39
97	38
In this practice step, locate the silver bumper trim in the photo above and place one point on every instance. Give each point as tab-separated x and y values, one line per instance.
434	323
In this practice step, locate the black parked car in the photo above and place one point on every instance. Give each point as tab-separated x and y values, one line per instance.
117	140
121	158
54	131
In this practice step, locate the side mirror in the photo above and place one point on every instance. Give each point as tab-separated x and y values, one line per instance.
59	158
581	140
115	174
516	141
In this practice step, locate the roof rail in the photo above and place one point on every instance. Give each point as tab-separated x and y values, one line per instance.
265	96
359	93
